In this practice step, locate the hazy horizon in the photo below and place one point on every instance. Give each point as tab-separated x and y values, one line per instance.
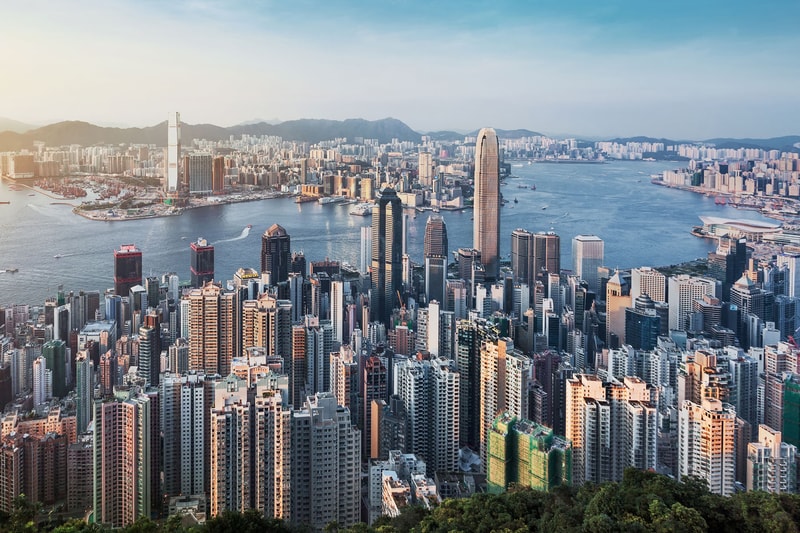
687	70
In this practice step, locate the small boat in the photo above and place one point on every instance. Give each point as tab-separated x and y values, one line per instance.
533	187
13	270
249	226
516	201
544	207
57	256
32	194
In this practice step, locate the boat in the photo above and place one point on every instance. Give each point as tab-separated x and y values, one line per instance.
516	201
13	270
326	200
57	256
544	207
361	210
533	187
249	226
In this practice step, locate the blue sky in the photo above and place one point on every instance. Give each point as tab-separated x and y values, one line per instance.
677	69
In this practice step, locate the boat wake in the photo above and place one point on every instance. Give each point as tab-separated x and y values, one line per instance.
243	235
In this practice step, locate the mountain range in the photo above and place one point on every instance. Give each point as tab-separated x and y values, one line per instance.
16	135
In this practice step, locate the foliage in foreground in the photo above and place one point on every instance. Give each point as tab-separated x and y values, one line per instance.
642	501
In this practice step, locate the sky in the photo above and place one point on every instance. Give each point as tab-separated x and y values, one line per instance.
679	69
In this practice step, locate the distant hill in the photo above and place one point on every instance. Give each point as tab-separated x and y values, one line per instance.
8	124
784	144
307	130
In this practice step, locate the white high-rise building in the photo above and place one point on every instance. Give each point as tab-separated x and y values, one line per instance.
649	281
771	463
42	381
683	291
425	170
182	401
366	249
587	257
707	444
173	152
792	262
338	288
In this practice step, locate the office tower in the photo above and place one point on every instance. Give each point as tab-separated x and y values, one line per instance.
84	390
325	459
55	352
587	257
435	252
172	184
298	264
387	258
649	281
199	172
430	394
683	291
792	263
275	254
218	175
546	254
526	454
365	255
521	256
201	262
771	463
374	386
425	169
706	444
211	329
617	300
728	263
127	269
486	205
124	457
183	422
642	326
505	374
612	426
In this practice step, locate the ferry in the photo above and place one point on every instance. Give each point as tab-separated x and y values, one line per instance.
361	210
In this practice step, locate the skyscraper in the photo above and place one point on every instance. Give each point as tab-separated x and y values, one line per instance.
55	353
200	171
211	329
646	280
202	262
218	175
325	473
521	253
387	256
486	206
127	269
706	444
435	250
173	153
275	254
546	254
587	256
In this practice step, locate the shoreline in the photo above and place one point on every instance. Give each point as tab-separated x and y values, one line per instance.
172	211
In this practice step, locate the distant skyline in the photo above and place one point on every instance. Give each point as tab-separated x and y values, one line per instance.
683	70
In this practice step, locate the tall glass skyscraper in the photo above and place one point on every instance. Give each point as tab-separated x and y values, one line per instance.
435	249
486	209
202	262
387	255
275	254
587	256
127	269
173	152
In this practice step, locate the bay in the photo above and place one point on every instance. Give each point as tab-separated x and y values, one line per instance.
641	224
